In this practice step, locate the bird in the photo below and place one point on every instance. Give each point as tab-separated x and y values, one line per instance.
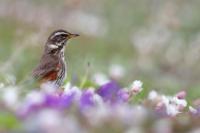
52	66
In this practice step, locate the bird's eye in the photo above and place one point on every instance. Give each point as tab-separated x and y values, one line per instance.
64	36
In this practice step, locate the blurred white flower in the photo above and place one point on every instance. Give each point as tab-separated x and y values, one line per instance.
100	79
10	97
1	85
172	110
49	87
34	97
180	102
116	71
136	86
152	95
173	105
49	117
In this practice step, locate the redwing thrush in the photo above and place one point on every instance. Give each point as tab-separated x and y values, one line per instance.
52	66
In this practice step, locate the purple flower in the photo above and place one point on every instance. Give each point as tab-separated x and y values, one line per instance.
87	99
123	95
109	91
67	100
51	100
59	102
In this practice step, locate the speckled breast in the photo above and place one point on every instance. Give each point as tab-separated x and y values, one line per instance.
62	70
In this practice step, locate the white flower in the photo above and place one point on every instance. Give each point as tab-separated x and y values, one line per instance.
136	86
116	71
173	105
100	79
172	110
1	85
35	97
165	99
49	87
180	102
49	118
152	95
10	96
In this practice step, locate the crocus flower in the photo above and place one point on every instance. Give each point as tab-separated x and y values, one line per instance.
109	91
59	102
86	99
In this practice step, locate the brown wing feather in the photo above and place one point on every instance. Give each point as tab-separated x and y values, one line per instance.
48	65
51	76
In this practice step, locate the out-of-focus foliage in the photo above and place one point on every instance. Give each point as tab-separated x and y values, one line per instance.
107	108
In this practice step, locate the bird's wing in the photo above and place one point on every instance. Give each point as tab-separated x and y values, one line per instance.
46	66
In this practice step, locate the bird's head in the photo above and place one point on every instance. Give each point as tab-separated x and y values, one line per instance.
57	40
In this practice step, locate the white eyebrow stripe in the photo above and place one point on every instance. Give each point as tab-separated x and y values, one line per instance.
58	33
53	46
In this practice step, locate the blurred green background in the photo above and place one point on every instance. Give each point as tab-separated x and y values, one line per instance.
156	41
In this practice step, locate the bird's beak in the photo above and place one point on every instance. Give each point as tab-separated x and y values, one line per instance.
73	35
